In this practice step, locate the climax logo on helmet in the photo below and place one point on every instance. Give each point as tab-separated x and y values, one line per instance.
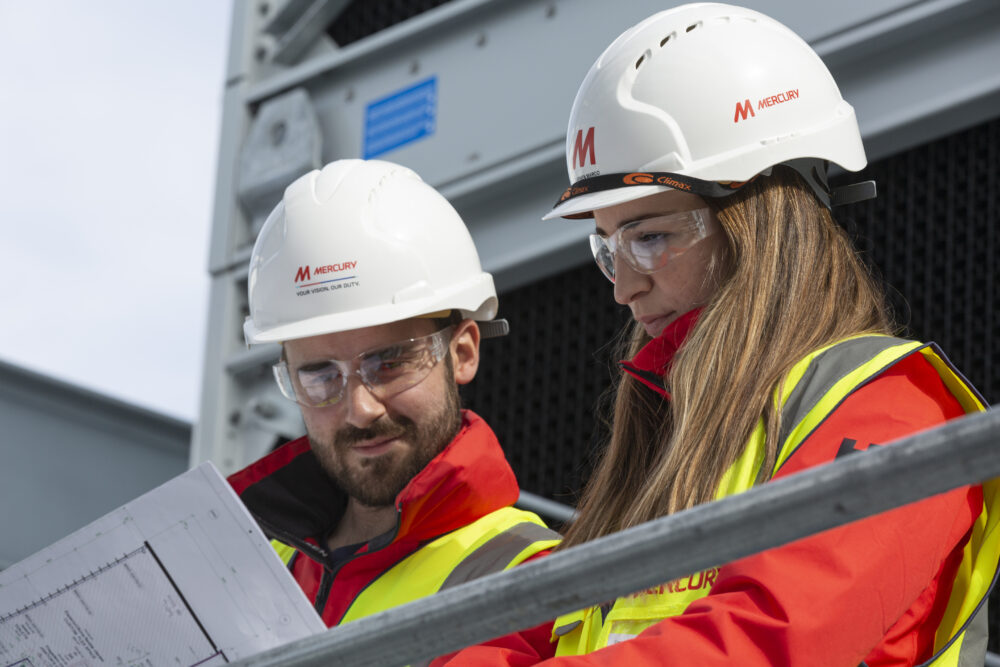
573	191
641	178
583	147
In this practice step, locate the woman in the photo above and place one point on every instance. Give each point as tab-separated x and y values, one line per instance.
698	143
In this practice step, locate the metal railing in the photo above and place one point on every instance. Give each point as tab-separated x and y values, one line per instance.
962	451
543	507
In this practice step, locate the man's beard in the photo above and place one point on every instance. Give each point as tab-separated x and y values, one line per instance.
377	480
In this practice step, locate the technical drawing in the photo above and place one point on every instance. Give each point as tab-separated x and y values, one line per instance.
180	576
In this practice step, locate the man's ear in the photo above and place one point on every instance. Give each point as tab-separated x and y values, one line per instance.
464	350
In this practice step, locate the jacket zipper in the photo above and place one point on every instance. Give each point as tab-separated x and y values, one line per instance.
315	552
320	555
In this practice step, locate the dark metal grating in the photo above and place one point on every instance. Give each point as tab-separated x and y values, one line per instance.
538	386
932	232
362	18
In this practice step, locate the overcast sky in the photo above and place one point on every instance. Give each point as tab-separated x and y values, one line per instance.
109	127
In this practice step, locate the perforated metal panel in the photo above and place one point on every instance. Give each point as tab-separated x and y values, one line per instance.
932	232
366	17
538	386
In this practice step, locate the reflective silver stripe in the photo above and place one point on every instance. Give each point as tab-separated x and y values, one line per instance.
973	651
498	552
566	629
825	371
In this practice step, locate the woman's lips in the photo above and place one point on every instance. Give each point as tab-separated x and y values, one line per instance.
655	324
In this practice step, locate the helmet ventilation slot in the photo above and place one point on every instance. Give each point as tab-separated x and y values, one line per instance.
645	54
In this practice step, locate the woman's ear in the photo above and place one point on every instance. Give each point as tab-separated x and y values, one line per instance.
464	351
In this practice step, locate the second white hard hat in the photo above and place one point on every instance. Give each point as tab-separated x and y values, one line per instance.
361	243
703	97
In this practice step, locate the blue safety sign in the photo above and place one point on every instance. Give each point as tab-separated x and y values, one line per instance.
400	118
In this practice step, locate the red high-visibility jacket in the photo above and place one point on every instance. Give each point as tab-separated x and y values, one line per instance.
298	504
871	591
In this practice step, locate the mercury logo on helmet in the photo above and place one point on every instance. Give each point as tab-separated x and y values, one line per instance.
745	109
742	110
583	147
304	273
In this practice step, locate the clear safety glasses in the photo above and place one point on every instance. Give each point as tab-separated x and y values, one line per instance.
649	244
386	371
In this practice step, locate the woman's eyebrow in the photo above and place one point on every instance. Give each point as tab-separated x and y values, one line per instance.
640	218
622	223
646	217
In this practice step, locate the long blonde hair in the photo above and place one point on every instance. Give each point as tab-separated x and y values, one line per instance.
793	283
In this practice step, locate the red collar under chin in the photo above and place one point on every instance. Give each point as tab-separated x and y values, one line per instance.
653	361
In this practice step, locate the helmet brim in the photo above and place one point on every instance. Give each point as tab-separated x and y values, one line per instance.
583	206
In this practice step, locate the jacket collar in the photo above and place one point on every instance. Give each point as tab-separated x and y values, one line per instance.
652	363
293	498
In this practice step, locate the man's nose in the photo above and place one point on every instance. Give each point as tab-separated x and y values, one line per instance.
363	407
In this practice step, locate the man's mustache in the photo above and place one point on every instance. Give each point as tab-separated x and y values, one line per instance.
383	428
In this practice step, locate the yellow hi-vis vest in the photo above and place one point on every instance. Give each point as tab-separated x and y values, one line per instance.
495	542
812	390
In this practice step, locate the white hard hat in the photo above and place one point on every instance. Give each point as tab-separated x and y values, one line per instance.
361	243
703	97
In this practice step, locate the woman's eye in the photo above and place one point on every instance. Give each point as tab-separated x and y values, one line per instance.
649	241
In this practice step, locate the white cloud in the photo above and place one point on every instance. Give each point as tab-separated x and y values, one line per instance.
108	144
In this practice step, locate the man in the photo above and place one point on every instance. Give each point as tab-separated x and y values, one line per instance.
369	279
